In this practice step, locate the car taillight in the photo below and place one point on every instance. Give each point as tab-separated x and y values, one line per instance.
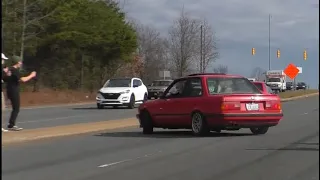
225	106
274	105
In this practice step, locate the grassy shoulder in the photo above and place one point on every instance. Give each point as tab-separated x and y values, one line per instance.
290	94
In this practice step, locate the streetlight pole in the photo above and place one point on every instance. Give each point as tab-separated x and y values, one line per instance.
269	44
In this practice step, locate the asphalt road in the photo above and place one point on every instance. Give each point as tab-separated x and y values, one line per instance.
66	115
289	151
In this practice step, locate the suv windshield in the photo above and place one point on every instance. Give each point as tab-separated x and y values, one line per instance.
231	86
161	83
118	83
274	80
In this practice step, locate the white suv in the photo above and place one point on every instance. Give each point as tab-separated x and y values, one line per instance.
122	92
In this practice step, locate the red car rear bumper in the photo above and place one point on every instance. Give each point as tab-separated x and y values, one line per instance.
244	120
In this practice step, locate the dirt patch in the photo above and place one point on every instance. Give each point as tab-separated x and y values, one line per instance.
51	97
290	94
59	131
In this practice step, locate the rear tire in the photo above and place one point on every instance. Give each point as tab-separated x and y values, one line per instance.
99	106
259	130
199	125
147	125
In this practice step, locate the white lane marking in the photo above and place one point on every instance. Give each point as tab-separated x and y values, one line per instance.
127	160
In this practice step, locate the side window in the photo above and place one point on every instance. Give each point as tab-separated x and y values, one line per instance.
135	83
176	89
140	83
193	88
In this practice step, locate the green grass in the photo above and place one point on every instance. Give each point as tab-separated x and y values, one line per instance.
290	94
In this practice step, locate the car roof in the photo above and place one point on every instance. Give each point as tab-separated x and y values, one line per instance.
215	75
258	82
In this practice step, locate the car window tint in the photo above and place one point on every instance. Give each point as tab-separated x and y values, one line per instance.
139	83
176	89
193	88
135	82
259	85
231	86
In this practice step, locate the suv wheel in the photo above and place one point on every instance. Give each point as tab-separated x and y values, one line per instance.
132	102
145	98
259	130
199	125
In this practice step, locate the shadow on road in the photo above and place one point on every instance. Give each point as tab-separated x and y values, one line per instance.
167	134
95	108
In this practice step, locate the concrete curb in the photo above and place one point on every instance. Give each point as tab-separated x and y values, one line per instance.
75	129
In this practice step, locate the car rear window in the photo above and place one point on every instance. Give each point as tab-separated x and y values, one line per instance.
231	86
259	85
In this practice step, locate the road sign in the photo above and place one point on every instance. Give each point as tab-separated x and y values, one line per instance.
291	71
300	70
164	74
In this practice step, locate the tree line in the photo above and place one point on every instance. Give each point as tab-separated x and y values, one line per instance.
79	44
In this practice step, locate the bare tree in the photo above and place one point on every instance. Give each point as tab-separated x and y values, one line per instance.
31	25
208	52
152	49
258	73
221	69
183	38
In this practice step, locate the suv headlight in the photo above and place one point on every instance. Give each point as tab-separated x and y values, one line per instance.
99	96
125	92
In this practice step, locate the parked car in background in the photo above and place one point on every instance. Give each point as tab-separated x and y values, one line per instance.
290	86
211	102
157	88
122	92
263	87
301	85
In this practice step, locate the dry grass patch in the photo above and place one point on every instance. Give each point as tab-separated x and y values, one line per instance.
290	94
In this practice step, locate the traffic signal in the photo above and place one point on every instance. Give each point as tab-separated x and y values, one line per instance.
253	51
305	55
278	53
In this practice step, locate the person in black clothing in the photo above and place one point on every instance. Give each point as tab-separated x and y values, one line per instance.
12	79
4	69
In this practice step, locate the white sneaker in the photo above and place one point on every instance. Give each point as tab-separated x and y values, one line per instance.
15	128
4	130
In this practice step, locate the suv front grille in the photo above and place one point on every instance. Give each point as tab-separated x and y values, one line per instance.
110	95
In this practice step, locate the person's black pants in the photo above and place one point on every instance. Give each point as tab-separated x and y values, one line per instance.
14	97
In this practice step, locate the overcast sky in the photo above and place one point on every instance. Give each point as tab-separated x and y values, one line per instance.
243	24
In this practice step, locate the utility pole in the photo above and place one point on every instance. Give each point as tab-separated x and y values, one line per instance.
269	44
201	52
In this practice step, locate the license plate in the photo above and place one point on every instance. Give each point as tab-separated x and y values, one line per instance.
252	107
